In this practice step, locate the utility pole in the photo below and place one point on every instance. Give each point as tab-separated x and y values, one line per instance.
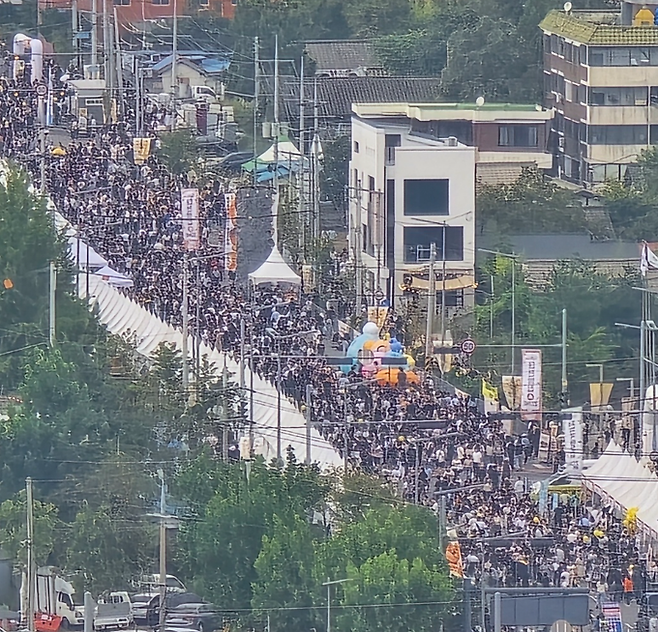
186	322
94	36
138	97
106	53
31	575
163	550
242	355
443	284
513	313
431	301
256	95
174	55
442	523
52	268
565	382
225	415
309	394
276	123
316	166
302	177
119	71
74	31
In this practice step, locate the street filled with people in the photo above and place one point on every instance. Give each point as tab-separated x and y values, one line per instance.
433	444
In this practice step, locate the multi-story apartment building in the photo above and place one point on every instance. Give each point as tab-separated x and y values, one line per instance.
601	76
413	173
410	195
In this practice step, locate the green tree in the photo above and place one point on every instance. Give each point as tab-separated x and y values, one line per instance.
531	204
13	530
284	571
178	150
395	594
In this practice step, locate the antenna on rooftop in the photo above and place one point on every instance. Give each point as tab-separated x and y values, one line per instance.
567	7
479	101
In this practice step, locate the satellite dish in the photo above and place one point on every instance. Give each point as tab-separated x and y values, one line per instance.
479	101
567	7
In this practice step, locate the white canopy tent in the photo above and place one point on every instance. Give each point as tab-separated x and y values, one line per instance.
275	269
84	256
619	477
124	317
112	277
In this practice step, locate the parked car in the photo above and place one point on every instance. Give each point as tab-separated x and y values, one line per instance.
193	616
146	607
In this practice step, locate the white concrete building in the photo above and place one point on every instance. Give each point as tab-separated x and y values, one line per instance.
410	192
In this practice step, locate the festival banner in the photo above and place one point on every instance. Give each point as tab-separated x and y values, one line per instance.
231	233
490	396
141	150
512	390
572	428
190	217
531	384
454	559
599	394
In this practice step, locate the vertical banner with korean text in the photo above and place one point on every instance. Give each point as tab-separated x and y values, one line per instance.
231	233
572	428
531	384
189	209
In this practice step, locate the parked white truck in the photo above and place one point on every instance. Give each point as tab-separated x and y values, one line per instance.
54	604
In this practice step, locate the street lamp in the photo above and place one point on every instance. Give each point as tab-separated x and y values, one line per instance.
329	583
513	258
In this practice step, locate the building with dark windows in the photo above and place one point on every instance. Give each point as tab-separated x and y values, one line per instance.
601	76
413	175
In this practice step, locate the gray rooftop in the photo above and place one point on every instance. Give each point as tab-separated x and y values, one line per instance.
342	55
561	247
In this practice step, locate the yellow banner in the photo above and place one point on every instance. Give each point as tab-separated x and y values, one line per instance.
378	315
599	394
512	391
490	396
141	150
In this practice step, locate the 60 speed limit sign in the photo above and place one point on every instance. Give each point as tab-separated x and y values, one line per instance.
468	346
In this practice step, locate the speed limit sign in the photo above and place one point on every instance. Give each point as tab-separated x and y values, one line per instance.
468	346
42	91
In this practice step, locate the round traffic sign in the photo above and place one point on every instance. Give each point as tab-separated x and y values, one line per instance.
467	346
42	90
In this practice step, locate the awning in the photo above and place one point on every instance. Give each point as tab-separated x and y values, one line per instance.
113	277
84	256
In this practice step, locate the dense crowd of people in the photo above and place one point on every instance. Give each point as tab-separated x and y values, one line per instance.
436	446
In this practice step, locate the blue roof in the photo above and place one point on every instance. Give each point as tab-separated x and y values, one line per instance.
209	65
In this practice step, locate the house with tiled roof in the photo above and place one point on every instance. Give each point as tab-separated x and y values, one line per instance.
343	58
601	76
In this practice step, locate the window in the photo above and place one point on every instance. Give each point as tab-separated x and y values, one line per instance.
582	54
618	96
121	3
547	43
454	298
617	135
518	136
418	242
391	141
204	3
426	197
160	2
356	146
623	56
653	134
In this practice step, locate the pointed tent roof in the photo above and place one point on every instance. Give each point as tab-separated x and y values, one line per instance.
275	269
